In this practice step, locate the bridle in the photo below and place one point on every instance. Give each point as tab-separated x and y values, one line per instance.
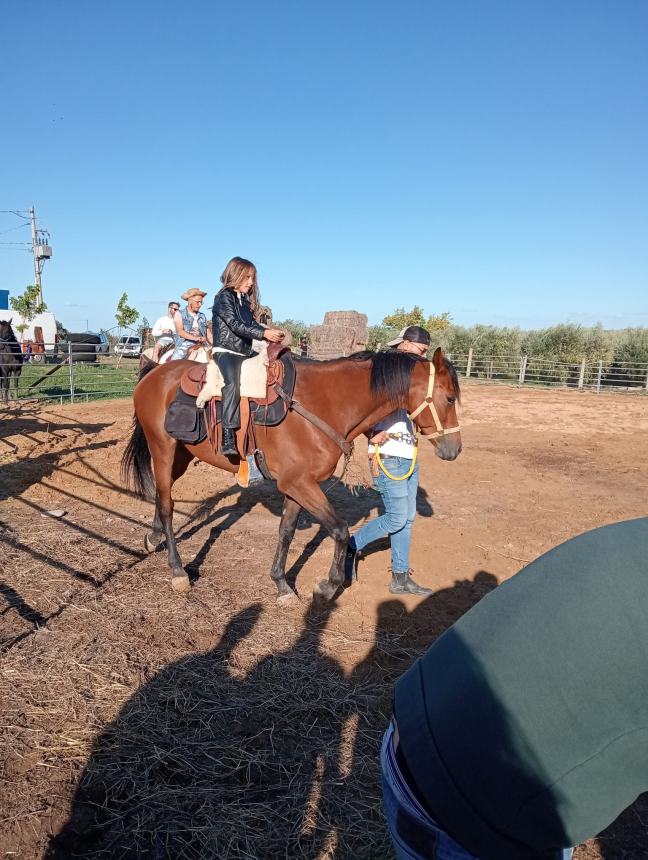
428	403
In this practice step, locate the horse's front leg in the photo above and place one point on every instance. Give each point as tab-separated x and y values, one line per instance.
15	386
287	526
311	497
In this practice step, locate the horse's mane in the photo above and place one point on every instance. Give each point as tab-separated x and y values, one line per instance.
391	372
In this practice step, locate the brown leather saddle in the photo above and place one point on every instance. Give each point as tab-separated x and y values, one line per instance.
268	410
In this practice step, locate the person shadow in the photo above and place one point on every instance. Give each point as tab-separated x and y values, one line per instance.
221	754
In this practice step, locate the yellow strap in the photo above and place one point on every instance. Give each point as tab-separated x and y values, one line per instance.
389	474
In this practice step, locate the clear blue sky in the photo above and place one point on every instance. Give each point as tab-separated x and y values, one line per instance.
486	159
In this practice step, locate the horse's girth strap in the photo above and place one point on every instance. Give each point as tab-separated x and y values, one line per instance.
331	432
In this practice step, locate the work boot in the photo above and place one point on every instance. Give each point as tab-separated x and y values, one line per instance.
228	442
351	563
402	583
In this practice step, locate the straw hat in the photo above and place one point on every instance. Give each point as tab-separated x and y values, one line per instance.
192	293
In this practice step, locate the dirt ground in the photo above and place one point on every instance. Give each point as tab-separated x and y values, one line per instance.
140	723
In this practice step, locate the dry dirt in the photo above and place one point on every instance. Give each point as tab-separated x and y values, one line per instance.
221	724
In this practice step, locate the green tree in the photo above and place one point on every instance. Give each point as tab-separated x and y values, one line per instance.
61	331
126	316
28	306
144	331
436	323
401	318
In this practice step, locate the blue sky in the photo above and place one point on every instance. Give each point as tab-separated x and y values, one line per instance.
486	159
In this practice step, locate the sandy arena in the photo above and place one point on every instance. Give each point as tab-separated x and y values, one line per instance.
221	725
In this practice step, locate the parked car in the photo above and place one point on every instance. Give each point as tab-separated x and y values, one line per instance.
129	345
103	346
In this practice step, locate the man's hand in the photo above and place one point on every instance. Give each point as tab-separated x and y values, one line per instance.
380	438
274	335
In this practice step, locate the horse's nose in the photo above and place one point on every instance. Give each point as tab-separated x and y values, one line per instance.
449	448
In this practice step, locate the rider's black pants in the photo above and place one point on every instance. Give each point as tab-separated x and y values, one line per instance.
229	365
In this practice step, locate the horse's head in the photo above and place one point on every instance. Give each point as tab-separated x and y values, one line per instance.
6	331
432	404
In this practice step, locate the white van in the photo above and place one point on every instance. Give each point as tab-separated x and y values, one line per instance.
129	345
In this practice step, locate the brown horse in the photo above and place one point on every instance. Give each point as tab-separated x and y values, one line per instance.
349	394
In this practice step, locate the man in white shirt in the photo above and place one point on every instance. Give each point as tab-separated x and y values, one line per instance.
163	330
392	458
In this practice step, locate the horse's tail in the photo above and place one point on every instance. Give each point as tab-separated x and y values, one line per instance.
136	463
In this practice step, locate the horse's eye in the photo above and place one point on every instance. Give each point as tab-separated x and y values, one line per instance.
451	400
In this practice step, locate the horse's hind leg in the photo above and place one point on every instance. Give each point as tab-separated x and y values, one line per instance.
287	526
154	538
169	466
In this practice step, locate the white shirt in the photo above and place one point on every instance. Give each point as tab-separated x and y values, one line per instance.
164	324
397	422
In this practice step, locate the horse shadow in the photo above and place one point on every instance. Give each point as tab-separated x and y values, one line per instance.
281	760
356	507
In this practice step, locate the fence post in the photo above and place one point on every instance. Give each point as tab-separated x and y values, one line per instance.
646	380
71	371
581	376
469	364
523	364
598	378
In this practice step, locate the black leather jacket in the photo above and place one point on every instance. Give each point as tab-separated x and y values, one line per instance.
233	326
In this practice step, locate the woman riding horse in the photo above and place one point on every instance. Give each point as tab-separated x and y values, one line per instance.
344	398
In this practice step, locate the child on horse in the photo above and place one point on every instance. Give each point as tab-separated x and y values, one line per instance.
234	327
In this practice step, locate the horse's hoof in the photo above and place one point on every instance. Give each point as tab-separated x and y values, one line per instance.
181	584
151	545
287	599
324	590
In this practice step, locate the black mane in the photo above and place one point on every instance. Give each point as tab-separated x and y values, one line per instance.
391	372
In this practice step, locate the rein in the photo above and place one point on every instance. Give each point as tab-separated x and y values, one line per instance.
295	406
428	403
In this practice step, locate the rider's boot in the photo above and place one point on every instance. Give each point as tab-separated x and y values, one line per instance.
402	583
228	442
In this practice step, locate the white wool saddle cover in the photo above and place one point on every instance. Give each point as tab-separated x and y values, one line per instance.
254	372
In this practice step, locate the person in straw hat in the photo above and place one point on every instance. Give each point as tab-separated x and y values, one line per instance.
235	325
190	324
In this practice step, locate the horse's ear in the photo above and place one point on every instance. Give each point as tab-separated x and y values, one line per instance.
438	359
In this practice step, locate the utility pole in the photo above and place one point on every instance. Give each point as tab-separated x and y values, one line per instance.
41	249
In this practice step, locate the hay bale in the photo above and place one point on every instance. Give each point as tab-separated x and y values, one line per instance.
342	333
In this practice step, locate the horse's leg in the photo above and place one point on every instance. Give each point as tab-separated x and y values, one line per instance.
154	538
15	384
311	496
287	526
170	463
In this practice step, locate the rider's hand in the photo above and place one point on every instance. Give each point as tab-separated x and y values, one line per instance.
274	335
380	438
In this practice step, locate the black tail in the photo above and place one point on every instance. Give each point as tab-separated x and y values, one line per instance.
136	463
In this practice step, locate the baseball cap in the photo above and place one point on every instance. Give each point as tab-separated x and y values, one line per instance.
413	333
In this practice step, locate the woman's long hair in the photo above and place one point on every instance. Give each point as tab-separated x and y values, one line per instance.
237	269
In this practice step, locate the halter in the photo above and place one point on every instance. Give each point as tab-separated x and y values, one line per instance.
428	403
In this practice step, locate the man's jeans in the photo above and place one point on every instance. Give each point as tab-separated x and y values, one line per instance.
399	499
417	836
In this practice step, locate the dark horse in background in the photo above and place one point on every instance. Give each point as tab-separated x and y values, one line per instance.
11	361
350	394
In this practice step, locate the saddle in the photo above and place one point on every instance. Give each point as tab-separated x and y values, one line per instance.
266	411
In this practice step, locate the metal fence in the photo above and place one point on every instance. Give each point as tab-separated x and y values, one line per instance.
526	370
76	372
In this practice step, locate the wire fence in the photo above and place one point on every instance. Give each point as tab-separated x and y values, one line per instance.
526	370
77	372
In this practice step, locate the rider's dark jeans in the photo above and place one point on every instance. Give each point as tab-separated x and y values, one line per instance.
229	365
